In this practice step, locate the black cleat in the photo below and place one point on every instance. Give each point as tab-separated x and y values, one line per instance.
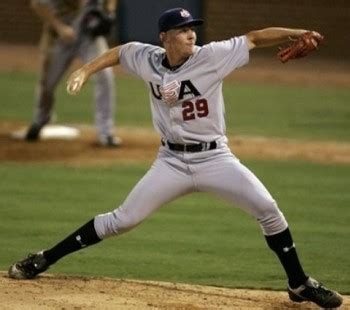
33	133
317	293
29	267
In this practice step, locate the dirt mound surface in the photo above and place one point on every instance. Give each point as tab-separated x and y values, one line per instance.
61	292
141	144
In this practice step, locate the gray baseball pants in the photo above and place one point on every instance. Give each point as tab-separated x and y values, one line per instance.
174	174
56	58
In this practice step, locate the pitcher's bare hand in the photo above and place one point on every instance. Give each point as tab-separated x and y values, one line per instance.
76	81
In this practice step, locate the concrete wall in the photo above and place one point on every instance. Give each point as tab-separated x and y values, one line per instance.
224	18
138	20
18	23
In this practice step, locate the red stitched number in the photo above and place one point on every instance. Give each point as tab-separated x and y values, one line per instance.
202	108
191	110
188	111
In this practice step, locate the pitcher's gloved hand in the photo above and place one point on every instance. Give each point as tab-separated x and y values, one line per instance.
300	47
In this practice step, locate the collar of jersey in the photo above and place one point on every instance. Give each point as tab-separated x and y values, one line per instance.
165	63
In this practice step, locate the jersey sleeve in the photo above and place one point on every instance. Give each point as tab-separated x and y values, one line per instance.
133	56
230	54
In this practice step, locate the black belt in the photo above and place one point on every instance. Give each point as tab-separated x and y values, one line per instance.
192	148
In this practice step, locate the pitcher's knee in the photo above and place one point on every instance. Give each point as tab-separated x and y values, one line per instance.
272	220
115	223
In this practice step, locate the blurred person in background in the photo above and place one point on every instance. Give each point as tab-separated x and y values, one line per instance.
69	33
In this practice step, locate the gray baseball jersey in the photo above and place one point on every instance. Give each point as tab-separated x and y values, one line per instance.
188	108
193	109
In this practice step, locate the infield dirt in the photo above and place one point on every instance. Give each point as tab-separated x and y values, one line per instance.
61	292
141	144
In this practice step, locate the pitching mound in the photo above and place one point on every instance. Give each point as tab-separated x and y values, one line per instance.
61	292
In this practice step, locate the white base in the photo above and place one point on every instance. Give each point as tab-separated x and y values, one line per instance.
50	132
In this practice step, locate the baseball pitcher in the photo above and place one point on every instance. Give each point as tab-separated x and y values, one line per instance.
185	91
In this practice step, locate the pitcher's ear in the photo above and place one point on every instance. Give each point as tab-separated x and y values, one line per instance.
162	37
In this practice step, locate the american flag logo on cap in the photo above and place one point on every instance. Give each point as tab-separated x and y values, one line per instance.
185	13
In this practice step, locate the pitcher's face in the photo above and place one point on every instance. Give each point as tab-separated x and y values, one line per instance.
180	41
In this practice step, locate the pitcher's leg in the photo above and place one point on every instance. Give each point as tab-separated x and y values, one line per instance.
160	185
104	88
237	184
232	181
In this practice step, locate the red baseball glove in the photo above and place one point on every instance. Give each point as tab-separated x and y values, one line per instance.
300	47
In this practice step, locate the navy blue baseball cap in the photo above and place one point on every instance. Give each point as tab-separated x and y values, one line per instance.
175	18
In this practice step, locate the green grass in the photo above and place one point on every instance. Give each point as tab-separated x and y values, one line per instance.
251	109
285	111
196	239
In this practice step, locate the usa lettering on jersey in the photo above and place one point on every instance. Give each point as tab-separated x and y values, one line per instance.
174	91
